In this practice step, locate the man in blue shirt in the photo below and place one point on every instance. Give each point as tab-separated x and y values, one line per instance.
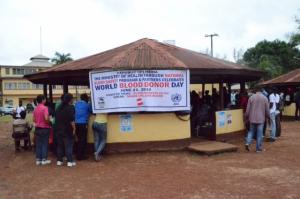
82	112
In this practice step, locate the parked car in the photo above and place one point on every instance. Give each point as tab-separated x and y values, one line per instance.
8	110
1	110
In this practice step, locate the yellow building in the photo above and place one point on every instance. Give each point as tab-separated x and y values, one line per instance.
14	88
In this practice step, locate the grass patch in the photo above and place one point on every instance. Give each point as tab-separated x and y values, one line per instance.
6	118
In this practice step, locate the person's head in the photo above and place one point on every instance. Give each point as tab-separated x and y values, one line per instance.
20	103
23	114
41	99
67	99
214	90
206	92
84	97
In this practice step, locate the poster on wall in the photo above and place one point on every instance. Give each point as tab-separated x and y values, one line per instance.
229	118
221	118
126	123
140	90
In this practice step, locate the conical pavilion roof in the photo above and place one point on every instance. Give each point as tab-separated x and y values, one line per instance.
148	54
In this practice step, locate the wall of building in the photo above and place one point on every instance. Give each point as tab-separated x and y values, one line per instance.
229	121
289	110
159	127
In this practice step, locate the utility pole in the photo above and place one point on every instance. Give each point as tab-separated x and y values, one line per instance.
211	42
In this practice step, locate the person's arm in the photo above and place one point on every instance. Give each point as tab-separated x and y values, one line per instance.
248	109
267	109
72	119
46	115
73	127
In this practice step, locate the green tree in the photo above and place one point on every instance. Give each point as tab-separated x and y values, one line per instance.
295	36
61	58
273	57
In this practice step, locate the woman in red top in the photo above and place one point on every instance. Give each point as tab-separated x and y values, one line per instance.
243	101
42	130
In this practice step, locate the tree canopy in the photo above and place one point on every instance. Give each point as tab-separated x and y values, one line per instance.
274	57
61	58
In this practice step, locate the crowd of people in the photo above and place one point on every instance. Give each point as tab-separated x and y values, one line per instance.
63	125
263	108
204	106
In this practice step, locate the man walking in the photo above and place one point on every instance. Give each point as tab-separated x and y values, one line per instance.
256	112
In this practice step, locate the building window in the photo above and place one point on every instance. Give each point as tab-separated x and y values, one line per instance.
10	85
29	71
7	71
37	86
18	71
24	86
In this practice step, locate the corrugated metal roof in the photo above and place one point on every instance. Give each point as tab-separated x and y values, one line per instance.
148	53
290	78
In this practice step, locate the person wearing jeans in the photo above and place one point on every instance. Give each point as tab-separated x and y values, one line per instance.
65	129
258	130
82	112
256	112
42	130
100	134
273	126
64	146
274	100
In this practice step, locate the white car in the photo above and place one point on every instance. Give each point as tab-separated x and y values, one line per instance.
8	110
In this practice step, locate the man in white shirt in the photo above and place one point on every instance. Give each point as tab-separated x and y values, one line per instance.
273	99
19	109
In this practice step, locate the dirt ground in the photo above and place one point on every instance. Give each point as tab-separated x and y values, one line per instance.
274	173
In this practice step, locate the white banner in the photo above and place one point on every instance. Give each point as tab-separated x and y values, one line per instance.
140	90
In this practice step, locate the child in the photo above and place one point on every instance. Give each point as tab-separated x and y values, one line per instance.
21	129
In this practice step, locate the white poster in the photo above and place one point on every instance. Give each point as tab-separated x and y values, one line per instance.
126	123
140	90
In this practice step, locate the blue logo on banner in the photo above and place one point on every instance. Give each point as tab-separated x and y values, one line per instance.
176	98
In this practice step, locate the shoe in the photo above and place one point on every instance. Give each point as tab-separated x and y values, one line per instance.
97	157
38	162
71	164
272	140
247	147
44	162
260	150
59	163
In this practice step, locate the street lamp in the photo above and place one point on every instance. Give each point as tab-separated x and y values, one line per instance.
211	42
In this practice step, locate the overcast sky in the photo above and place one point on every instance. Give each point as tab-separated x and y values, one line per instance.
86	27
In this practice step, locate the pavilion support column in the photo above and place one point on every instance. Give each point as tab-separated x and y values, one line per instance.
65	88
229	88
221	95
242	87
50	94
203	90
45	90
